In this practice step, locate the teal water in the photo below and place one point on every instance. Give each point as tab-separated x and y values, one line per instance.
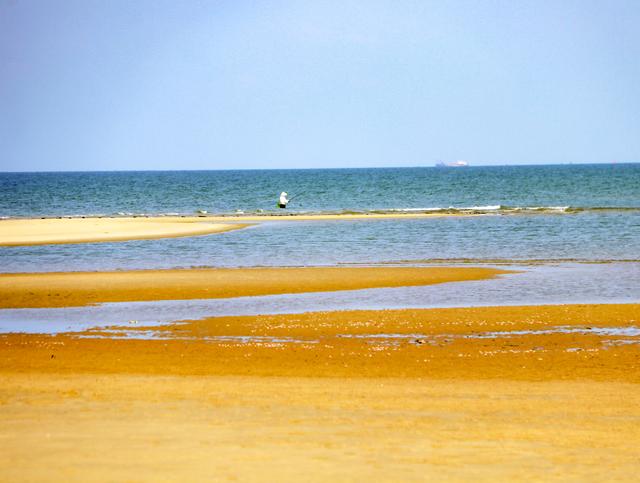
557	188
557	213
571	232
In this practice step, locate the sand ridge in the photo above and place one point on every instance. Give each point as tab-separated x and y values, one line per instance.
83	288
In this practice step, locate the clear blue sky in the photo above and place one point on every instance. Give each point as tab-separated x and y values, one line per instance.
120	84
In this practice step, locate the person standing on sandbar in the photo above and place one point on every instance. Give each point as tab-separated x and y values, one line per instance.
283	201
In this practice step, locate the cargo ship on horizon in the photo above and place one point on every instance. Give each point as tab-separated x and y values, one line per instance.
455	164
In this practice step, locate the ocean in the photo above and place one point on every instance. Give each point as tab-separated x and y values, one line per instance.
494	190
572	232
527	213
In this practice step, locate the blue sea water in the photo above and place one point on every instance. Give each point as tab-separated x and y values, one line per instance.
568	187
573	232
564	212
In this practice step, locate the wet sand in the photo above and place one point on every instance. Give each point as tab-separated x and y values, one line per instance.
523	343
467	394
83	288
17	232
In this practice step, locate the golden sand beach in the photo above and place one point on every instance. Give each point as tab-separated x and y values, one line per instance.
197	402
297	241
538	392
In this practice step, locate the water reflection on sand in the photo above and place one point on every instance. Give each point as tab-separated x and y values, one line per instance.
535	285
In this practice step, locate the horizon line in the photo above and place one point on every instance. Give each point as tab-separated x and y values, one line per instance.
611	163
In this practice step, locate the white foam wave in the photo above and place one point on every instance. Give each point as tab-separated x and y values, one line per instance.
482	208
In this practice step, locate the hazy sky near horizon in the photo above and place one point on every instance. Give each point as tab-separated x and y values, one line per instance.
153	84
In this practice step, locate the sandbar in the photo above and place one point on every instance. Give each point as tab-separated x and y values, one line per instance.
19	232
87	229
69	289
186	406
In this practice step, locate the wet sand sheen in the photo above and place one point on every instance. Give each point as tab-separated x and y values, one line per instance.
482	342
84	288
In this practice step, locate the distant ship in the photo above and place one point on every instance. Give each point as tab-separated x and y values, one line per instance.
455	164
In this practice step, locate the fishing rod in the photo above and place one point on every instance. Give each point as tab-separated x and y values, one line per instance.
295	196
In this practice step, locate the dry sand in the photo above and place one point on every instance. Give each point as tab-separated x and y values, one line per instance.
100	427
190	405
15	232
83	288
